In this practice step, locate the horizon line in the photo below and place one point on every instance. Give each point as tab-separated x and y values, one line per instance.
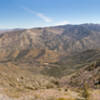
2	29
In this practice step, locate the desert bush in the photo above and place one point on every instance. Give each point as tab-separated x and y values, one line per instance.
50	85
85	93
61	99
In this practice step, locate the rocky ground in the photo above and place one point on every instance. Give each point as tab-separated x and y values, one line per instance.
53	94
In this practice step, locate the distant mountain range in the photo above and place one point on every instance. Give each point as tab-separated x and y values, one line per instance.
8	30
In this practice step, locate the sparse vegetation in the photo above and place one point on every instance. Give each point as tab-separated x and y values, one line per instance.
85	93
51	63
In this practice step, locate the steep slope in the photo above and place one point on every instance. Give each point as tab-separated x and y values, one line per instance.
88	77
48	45
70	64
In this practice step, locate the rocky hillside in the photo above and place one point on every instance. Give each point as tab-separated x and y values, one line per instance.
48	45
57	51
88	77
37	63
71	63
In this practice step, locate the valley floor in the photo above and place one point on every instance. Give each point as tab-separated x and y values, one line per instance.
20	82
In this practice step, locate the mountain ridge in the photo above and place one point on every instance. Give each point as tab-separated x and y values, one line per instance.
60	40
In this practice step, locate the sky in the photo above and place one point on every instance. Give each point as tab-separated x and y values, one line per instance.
41	13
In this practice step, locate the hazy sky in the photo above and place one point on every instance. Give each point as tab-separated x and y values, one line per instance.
37	13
